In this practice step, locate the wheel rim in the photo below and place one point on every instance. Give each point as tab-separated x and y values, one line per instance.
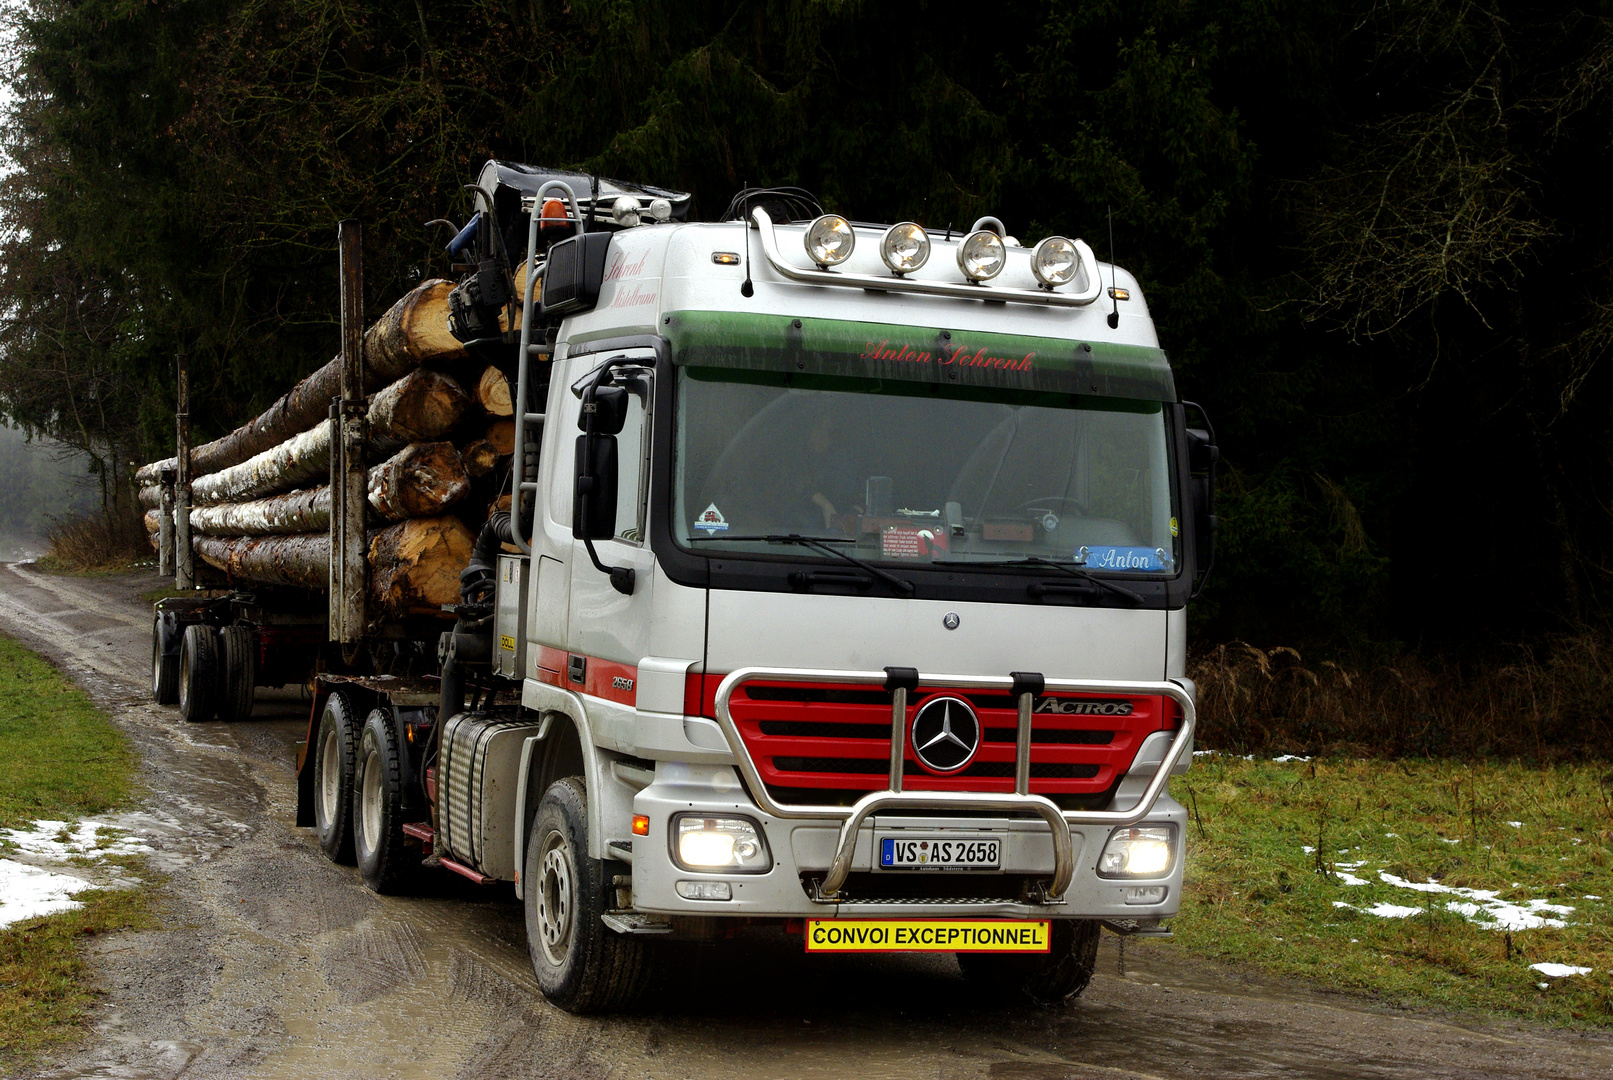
156	664
330	777
370	801
554	899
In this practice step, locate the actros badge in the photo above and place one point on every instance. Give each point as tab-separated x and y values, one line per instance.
946	734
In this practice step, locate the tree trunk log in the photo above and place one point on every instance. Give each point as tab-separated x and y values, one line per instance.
421	480
493	393
415	329
294	463
501	433
479	457
414	565
422	406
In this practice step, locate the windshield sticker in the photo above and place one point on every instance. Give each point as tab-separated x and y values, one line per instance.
1175	529
711	521
1103	557
897	542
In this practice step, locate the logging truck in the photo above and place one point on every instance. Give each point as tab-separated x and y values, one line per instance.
780	570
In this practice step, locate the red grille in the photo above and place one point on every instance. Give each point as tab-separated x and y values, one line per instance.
812	741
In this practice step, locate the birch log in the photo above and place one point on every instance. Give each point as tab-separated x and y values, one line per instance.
493	393
414	565
414	330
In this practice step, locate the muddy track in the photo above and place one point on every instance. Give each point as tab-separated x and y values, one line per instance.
270	961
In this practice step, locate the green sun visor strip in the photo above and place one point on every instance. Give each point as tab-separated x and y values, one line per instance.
739	340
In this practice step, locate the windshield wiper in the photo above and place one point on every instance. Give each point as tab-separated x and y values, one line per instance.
901	585
1063	568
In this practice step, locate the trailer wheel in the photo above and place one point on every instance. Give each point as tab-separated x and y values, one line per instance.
164	660
198	673
383	860
237	672
582	966
1056	977
335	747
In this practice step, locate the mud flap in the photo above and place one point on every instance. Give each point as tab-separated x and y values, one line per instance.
305	764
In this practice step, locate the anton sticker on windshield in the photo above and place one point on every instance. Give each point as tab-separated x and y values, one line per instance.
949	355
1123	558
711	521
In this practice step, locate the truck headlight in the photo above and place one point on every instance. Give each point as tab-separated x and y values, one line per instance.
830	240
731	844
1140	851
1055	261
981	256
905	248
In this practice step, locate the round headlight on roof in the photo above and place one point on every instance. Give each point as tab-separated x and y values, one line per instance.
830	240
981	256
661	209
1055	261
625	211
905	247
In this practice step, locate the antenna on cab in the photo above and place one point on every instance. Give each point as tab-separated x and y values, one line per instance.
1114	290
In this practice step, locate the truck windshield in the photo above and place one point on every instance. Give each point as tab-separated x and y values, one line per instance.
902	471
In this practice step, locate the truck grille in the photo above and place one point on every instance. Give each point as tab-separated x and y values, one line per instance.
831	743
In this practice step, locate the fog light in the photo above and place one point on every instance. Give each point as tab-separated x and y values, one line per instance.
905	248
981	256
720	843
705	890
1144	894
1055	261
625	211
830	240
1142	851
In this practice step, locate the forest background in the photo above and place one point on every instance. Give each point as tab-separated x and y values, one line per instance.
1374	235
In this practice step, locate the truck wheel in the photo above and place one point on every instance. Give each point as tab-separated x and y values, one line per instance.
582	966
198	673
335	747
237	672
378	839
164	664
1056	977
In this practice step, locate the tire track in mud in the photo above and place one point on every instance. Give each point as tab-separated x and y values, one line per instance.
271	962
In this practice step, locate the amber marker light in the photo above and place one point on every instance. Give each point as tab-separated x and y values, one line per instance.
641	825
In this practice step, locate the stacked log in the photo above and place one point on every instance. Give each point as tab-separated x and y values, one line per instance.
260	496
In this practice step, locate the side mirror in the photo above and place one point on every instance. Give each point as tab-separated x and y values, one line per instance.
593	504
608	407
1203	455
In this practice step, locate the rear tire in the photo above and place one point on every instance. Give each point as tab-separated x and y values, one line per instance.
198	673
384	861
582	965
237	672
1054	978
335	748
164	660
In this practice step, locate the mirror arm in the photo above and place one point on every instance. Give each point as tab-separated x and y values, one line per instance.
621	577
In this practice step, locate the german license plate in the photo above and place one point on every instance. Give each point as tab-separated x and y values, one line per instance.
973	851
928	935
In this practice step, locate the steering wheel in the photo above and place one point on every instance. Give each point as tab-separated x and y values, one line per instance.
1064	502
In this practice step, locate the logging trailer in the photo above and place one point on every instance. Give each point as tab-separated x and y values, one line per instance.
835	581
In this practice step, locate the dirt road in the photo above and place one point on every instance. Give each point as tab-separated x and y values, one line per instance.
271	962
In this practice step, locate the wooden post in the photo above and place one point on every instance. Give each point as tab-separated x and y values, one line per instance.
184	555
350	486
165	523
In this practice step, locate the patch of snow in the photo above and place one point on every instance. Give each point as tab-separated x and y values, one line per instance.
60	841
1341	903
1445	841
1541	985
1350	879
1203	753
1488	909
1392	836
1392	911
1516	824
1588	896
27	892
1558	971
1289	757
1307	849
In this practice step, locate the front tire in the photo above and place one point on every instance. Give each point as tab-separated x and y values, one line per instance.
335	748
384	862
198	673
582	966
164	662
237	673
1054	978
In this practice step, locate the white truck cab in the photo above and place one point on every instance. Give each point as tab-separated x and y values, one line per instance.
844	589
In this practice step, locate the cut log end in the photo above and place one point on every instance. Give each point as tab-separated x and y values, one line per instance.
501	433
493	393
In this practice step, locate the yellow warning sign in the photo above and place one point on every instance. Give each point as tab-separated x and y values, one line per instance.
927	935
506	642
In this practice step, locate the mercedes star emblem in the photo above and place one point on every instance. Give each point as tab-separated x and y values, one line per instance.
950	620
946	734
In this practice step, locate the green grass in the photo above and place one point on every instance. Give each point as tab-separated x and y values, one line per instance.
1253	894
63	760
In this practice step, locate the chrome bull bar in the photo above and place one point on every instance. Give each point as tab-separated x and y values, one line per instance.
903	681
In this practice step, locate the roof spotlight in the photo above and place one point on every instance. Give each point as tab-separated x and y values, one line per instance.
981	256
830	240
661	209
1055	261
625	211
905	247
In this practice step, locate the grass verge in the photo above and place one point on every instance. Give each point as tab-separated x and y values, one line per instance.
63	760
1428	883
95	543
